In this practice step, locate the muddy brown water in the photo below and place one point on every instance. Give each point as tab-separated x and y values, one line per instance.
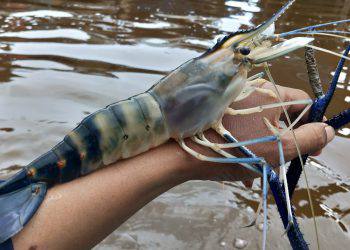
61	60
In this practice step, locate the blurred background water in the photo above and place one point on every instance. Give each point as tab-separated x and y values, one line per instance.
61	60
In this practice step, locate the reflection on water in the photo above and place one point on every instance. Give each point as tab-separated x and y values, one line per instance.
61	60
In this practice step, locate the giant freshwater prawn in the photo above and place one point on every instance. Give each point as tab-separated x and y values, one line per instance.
212	82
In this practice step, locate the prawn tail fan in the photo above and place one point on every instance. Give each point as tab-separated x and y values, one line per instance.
18	205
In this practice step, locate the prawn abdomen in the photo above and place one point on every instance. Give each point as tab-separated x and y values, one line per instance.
119	131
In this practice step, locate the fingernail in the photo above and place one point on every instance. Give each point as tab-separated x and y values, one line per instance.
330	134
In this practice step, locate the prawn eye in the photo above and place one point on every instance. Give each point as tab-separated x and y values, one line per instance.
244	51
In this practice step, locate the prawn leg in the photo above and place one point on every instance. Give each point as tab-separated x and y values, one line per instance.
202	138
253	160
226	154
221	130
258	109
264	205
199	156
283	172
294	234
256	76
252	86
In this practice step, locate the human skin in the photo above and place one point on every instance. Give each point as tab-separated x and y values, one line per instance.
81	213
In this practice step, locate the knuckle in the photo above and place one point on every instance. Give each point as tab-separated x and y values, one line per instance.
303	94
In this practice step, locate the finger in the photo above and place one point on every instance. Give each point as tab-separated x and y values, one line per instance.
311	138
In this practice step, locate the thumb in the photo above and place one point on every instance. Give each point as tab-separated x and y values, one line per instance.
311	138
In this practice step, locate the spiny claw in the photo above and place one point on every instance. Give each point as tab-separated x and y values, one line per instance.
289	226
253	223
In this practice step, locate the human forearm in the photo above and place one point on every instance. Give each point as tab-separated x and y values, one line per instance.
79	214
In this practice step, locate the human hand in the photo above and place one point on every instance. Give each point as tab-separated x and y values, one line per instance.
311	137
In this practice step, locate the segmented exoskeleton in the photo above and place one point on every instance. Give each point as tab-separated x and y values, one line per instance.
190	100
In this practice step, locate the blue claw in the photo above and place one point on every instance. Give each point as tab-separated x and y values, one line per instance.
295	236
321	104
340	120
317	113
